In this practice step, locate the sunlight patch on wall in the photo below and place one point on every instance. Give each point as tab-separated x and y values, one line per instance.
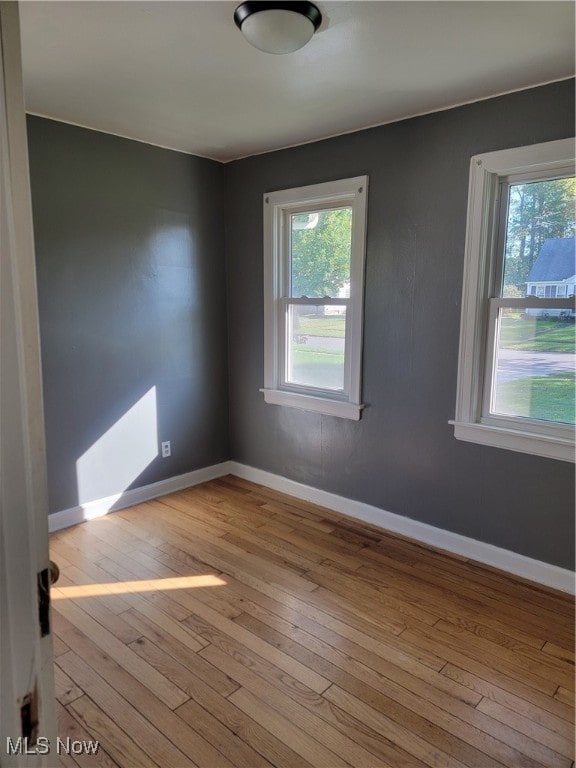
112	464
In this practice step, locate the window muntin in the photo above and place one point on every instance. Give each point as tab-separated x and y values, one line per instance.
314	271
499	289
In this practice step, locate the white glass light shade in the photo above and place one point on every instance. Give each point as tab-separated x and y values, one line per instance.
277	30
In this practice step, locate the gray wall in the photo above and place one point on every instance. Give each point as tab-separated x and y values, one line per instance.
402	455
130	255
130	251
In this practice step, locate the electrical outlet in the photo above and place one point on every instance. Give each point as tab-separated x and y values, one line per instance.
166	450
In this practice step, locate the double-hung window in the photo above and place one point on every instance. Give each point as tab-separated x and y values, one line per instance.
516	376
314	253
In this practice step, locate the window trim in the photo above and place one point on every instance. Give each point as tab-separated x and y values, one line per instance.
487	171
277	205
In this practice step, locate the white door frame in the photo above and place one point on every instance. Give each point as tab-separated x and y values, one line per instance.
26	659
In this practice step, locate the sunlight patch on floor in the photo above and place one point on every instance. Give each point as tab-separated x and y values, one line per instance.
141	585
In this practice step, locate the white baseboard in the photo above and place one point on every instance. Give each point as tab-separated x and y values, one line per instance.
504	559
100	507
519	565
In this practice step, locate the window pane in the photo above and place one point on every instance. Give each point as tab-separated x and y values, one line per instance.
320	248
315	346
535	365
540	231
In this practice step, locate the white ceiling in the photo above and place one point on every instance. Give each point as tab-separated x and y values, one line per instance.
180	74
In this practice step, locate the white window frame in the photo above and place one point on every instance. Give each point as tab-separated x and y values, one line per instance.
473	422
278	206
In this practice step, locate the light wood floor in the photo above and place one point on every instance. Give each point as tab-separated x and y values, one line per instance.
230	625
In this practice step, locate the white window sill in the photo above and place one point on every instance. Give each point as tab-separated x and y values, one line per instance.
341	408
515	440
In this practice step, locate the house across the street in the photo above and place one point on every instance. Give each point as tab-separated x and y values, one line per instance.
553	274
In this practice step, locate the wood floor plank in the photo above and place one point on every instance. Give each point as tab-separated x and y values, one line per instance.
276	554
564	746
232	626
431	595
548	712
149	738
385	644
424	750
107	596
96	607
137	534
151	568
158	684
441	739
408	730
227	743
301	742
291	515
565	696
149	601
370	600
491	582
65	688
199	718
566	654
488	668
333	611
217	510
100	539
87	721
320	647
249	731
71	727
498	740
82	558
206	620
179	735
487	750
260	494
451	600
181	653
303	717
263	537
212	554
212	543
85	538
59	646
456	647
333	548
307	706
550	671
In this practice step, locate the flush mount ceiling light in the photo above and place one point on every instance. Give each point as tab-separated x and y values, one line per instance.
277	27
